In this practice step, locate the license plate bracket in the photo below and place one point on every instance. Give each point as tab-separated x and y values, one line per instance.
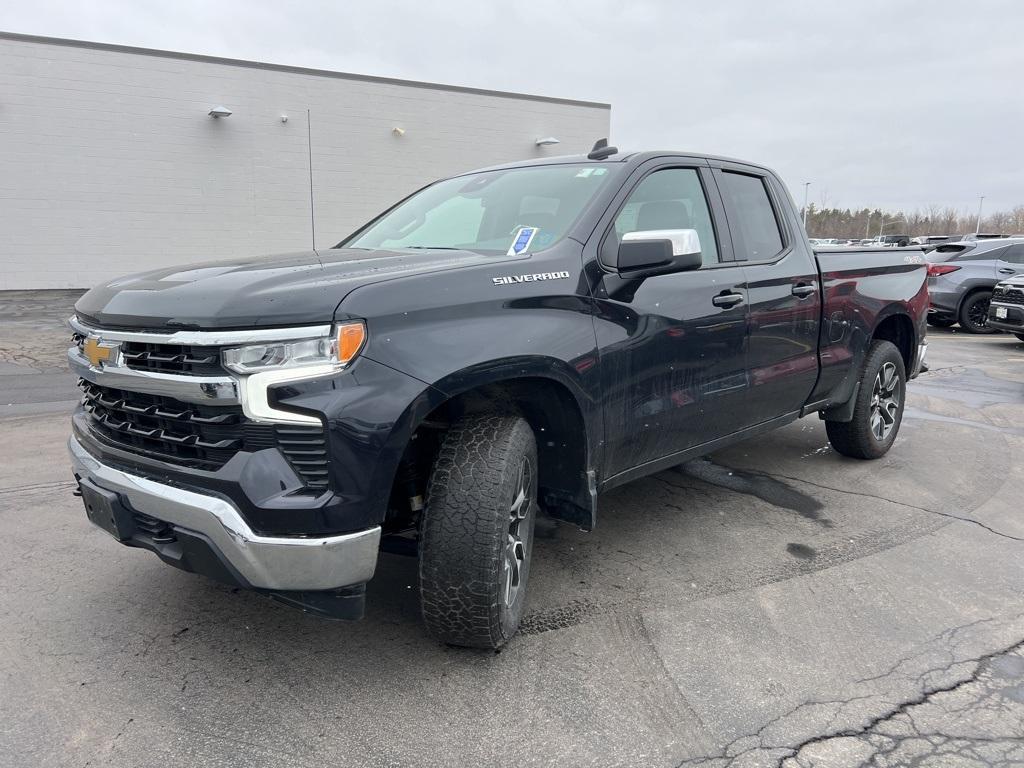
1000	313
105	510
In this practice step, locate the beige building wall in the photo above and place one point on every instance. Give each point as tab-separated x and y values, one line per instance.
110	164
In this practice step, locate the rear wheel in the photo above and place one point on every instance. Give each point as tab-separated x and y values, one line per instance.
878	411
941	321
477	531
974	313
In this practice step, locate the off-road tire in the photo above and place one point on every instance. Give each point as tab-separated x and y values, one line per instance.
857	438
941	321
974	313
467	531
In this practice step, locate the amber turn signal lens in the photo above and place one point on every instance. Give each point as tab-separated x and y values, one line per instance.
350	338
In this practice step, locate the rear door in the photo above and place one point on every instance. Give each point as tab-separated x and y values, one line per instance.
783	292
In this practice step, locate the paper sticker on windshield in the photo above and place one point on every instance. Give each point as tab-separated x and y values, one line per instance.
523	239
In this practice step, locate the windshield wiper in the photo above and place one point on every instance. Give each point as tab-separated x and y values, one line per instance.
431	248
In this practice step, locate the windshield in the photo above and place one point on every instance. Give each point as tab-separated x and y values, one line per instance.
486	211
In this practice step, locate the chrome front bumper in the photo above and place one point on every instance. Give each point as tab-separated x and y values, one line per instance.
265	562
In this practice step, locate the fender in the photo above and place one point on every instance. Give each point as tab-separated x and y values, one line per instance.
852	312
567	421
841	399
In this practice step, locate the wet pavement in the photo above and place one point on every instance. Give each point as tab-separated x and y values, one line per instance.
773	605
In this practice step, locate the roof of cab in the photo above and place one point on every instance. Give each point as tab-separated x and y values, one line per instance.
631	158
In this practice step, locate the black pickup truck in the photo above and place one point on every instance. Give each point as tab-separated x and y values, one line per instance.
505	341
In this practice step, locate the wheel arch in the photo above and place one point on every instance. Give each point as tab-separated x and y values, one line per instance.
968	294
565	420
554	398
893	324
898	327
973	287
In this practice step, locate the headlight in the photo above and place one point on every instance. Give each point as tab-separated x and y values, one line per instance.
336	350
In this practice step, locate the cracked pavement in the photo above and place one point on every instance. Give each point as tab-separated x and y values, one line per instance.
776	605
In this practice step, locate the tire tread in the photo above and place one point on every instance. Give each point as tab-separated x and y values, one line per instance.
464	528
853	438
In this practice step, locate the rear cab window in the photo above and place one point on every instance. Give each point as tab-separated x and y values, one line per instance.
753	220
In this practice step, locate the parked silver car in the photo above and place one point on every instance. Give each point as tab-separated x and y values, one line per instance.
961	277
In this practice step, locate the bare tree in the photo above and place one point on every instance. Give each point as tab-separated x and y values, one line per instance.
823	221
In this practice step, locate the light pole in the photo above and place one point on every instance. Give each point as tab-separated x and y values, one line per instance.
867	227
807	185
889	224
977	228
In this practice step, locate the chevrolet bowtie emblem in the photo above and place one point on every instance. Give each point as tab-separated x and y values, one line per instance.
98	352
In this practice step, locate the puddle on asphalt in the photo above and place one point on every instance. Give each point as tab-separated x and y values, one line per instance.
762	486
801	551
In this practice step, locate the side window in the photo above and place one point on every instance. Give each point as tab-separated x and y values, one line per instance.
1014	254
670	199
752	220
988	254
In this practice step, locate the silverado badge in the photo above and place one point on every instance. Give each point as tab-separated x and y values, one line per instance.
512	279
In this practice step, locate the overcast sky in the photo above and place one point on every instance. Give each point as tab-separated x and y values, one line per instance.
878	102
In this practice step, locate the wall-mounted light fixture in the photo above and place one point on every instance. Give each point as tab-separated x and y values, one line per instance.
219	111
284	118
547	141
396	131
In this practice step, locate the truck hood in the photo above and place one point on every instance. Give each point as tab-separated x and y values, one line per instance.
290	289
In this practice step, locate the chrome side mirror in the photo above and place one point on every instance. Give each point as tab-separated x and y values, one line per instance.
658	252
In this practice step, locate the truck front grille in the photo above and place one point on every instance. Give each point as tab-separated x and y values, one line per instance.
1004	296
172	358
197	436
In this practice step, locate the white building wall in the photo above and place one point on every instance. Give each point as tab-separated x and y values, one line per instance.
109	163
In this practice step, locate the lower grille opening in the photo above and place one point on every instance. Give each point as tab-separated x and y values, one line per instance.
306	451
159	531
198	436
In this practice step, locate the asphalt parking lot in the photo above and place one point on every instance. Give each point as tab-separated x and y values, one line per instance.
775	605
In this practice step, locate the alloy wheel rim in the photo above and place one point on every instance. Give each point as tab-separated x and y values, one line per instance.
978	313
515	546
885	402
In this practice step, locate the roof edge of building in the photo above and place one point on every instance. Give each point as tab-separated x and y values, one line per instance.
114	47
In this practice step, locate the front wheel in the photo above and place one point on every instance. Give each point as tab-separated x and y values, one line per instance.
477	531
878	411
974	313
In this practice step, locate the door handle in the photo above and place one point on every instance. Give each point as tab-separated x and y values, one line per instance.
727	299
1007	271
803	290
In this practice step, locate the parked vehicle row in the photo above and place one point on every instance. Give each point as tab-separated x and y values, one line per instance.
902	241
961	279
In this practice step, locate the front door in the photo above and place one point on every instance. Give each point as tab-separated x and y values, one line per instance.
672	347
